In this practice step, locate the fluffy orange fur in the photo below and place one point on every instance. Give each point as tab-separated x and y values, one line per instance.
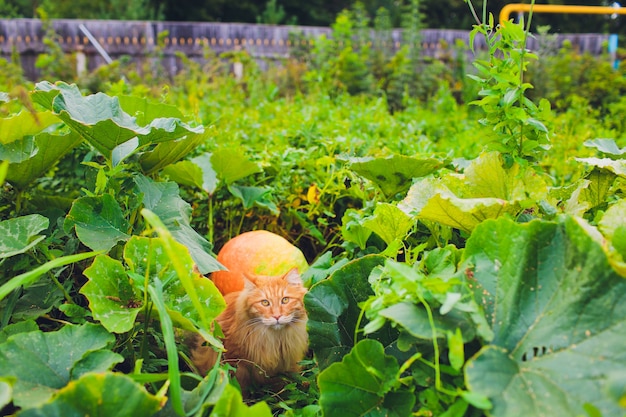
264	327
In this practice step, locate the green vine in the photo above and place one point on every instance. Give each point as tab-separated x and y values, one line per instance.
519	132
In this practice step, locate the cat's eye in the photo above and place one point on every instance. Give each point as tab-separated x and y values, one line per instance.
265	303
285	300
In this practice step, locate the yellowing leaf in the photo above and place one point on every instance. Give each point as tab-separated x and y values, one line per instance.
393	174
465	213
617	167
23	124
389	222
313	194
486	191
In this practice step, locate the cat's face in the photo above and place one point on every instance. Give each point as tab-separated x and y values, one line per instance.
276	301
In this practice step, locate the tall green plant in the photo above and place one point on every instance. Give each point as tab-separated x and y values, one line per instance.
517	123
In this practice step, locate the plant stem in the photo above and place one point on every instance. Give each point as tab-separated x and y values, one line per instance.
144	341
358	325
433	328
471	7
210	226
407	364
485	11
241	219
521	73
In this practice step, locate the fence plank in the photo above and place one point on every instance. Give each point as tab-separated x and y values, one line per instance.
137	39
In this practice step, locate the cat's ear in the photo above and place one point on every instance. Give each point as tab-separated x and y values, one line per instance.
293	277
249	283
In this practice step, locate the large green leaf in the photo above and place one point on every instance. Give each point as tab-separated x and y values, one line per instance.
254	196
49	149
333	308
99	395
42	362
486	177
166	153
101	121
112	299
430	199
415	320
164	200
185	173
197	173
19	234
209	176
99	222
230	404
486	190
616	167
393	174
556	309
613	227
599	187
232	165
150	258
98	118
23	124
606	146
145	111
18	150
6	391
359	384
389	222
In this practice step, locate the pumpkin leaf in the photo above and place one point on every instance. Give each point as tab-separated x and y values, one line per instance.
552	299
145	111
616	167
185	173
163	198
18	235
232	165
49	148
361	382
42	362
389	222
100	120
393	174
112	299
254	196
166	153
99	395
606	146
99	222
24	124
333	309
599	186
150	258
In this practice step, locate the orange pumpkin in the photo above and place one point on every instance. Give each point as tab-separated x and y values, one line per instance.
255	253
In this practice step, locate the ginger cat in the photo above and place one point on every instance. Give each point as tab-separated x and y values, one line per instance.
264	327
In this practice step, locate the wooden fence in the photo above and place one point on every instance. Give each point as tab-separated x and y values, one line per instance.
137	39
